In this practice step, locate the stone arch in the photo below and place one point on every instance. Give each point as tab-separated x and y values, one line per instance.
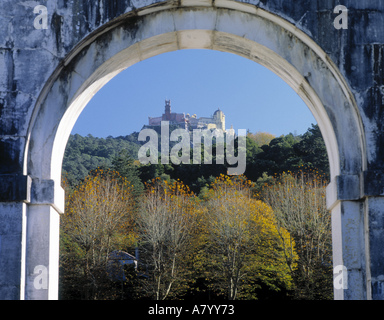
232	27
248	31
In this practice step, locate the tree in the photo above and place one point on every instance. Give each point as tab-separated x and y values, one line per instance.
164	219
261	138
99	218
245	249
125	165
288	153
312	151
298	202
84	154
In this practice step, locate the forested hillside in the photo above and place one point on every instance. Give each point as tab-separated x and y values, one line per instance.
197	233
84	154
271	155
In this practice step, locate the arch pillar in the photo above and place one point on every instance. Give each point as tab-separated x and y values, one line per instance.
29	240
349	249
349	242
12	250
374	215
42	258
357	206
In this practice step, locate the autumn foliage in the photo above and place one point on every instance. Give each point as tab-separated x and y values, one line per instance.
235	241
299	205
246	250
99	218
165	222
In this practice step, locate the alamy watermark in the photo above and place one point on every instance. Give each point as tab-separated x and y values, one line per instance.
341	21
181	151
340	277
41	21
41	280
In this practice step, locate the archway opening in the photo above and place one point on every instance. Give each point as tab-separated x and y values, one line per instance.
314	78
217	71
197	83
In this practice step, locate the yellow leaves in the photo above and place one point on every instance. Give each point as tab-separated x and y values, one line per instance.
239	225
99	209
298	201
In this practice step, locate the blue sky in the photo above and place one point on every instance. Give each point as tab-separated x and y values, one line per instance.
197	82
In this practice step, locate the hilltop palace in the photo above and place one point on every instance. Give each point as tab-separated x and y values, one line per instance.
217	121
191	130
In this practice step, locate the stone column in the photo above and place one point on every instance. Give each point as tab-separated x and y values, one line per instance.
42	267
374	190
42	240
357	205
375	214
29	237
12	250
349	251
349	238
14	197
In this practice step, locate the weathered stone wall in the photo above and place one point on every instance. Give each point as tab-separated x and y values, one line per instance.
30	59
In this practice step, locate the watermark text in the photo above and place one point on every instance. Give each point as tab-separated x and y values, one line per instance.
340	277
41	280
41	21
341	21
181	151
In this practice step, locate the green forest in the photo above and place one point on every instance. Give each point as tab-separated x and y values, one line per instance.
198	232
266	155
